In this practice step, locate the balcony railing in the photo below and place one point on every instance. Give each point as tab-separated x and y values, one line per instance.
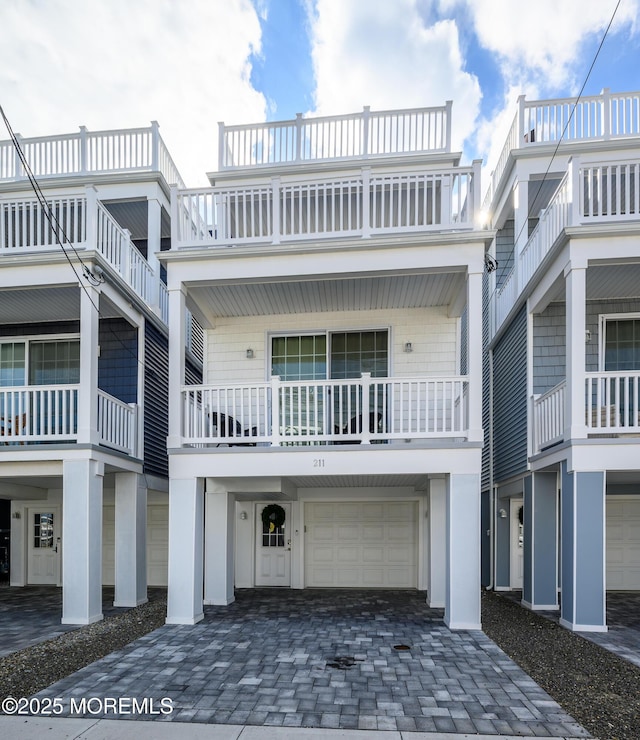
588	193
612	408
33	414
358	135
361	205
539	122
26	226
91	152
362	410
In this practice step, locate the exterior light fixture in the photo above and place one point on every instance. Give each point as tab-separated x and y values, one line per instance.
249	354
243	515
503	513
408	347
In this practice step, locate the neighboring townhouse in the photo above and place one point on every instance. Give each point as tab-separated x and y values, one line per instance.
562	399
84	364
335	439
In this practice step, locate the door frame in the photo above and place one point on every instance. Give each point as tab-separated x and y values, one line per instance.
31	510
515	552
257	534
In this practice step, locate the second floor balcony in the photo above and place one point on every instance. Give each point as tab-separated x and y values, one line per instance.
364	410
363	204
51	414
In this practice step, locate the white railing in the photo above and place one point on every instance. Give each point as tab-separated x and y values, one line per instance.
38	414
610	192
612	402
50	414
548	417
326	411
25	224
88	152
360	205
605	116
163	301
357	135
588	193
117	424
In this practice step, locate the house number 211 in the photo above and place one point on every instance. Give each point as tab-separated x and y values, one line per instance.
318	462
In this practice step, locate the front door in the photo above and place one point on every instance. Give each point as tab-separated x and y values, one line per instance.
44	546
273	544
517	544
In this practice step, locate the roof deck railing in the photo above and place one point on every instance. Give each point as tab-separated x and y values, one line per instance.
331	138
90	152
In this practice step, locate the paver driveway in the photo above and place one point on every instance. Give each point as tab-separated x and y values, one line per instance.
326	658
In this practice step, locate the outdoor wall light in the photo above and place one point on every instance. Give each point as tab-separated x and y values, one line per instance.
408	347
587	336
503	513
243	515
249	354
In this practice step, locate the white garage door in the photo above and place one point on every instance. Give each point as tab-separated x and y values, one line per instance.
157	544
623	543
361	544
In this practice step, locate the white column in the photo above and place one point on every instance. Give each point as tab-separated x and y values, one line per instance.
576	296
474	355
176	364
88	392
131	540
82	541
154	237
462	607
437	523
186	511
219	548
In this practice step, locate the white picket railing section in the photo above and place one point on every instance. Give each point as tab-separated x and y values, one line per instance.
613	402
38	413
605	116
357	135
588	193
117	424
326	411
548	417
360	205
91	152
50	414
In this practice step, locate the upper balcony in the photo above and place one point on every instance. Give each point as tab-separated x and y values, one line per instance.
593	192
365	203
540	123
366	135
90	153
26	227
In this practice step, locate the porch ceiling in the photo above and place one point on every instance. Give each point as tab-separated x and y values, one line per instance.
321	296
33	305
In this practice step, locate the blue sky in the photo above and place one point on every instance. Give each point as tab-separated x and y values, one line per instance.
190	63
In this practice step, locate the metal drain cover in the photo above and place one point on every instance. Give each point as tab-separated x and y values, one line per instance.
402	647
343	662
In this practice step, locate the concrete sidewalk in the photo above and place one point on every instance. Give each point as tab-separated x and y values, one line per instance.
62	728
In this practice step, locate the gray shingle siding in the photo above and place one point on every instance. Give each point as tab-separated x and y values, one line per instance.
549	348
510	400
504	252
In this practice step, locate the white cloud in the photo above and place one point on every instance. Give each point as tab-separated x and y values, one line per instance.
386	55
541	41
122	63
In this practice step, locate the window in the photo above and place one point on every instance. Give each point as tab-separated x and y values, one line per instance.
39	362
43	531
621	347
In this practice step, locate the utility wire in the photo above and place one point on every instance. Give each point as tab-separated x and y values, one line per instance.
564	131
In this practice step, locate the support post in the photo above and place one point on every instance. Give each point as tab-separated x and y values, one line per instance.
219	548
576	296
82	483
462	606
186	510
177	338
88	389
540	578
437	523
131	536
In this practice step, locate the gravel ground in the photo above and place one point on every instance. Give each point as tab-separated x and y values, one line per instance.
597	688
600	690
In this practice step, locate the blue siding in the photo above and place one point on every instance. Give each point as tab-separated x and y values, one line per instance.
510	400
118	361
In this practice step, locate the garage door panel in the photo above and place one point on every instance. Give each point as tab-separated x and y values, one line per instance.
623	544
373	544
